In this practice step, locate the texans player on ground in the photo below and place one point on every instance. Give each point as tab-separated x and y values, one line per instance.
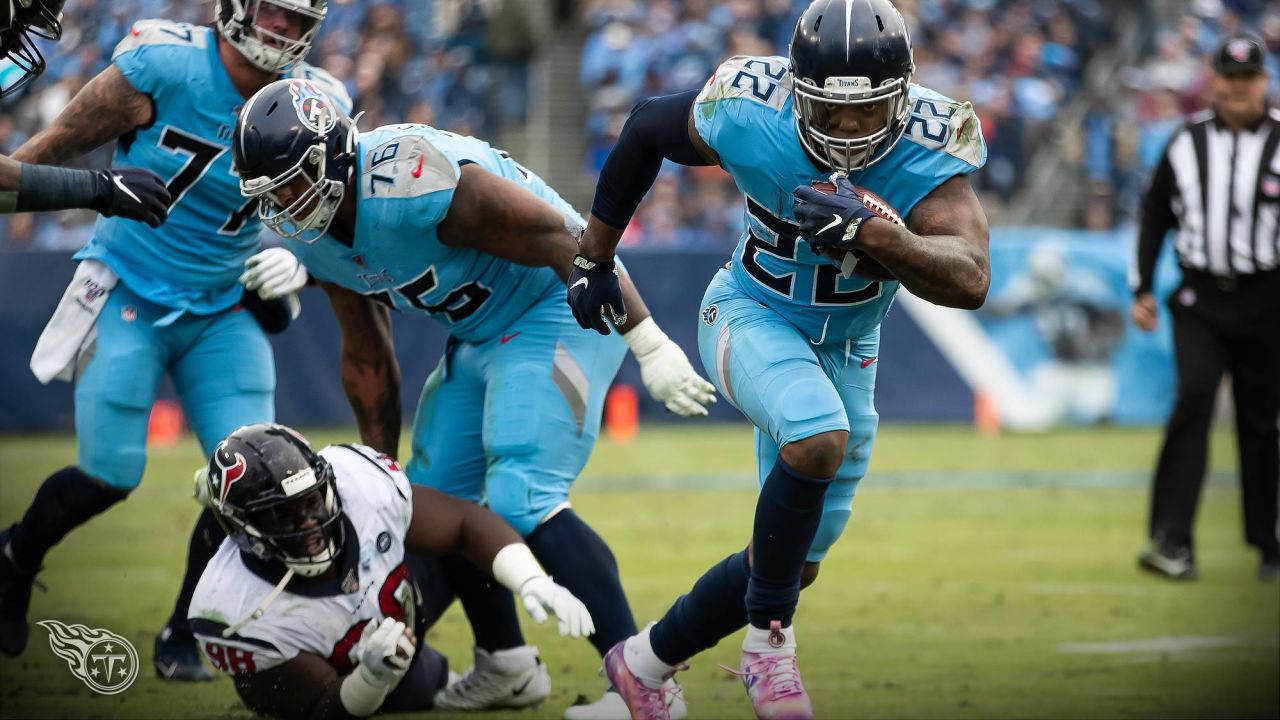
164	300
128	192
790	331
318	601
426	221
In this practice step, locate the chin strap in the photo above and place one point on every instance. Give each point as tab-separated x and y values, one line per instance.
262	607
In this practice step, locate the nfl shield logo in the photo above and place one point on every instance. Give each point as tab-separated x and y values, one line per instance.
1271	187
1239	50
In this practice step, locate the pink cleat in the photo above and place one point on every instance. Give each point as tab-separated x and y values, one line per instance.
643	702
773	683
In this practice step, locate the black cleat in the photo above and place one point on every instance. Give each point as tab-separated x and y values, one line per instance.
177	657
15	598
1269	568
1175	564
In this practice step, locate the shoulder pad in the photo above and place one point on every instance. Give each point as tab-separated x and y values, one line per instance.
162	32
940	123
765	80
414	166
327	82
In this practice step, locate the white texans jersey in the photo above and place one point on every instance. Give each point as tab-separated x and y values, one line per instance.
324	617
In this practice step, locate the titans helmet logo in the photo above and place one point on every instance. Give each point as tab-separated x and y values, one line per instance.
314	108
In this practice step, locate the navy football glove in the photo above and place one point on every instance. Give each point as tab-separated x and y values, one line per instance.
834	221
593	286
131	193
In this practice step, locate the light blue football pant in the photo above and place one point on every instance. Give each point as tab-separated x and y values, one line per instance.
511	421
791	389
221	366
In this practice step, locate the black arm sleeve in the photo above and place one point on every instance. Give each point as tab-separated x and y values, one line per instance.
44	187
1157	218
657	128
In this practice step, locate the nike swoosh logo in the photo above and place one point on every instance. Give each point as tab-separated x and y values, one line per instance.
520	689
168	670
867	363
581	281
835	220
417	172
508	338
124	189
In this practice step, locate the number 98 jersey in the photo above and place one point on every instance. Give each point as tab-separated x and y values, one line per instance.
191	262
745	114
323	617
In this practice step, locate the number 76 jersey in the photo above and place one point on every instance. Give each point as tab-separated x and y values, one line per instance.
745	114
193	261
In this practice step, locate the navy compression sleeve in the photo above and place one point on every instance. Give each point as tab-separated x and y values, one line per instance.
657	128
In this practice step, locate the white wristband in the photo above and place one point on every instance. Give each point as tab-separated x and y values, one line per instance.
645	337
514	565
362	695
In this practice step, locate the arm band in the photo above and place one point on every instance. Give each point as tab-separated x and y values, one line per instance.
362	696
44	187
514	565
657	128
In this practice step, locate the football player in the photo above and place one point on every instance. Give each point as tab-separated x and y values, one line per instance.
319	599
146	302
128	192
421	220
790	329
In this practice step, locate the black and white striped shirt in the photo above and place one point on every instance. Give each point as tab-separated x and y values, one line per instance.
1221	189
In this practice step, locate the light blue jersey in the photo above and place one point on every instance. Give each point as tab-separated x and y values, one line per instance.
407	176
785	336
745	114
192	262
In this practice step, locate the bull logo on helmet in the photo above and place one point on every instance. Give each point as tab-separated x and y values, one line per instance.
228	472
314	108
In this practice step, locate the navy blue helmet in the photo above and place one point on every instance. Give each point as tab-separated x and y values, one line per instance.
850	53
288	130
26	21
276	498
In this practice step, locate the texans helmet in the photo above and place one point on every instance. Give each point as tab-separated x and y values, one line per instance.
26	21
288	131
850	53
238	22
276	498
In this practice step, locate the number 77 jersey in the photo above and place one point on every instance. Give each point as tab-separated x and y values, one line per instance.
745	114
193	261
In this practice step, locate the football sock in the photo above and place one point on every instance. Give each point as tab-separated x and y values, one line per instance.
206	536
66	500
787	515
643	662
757	641
577	558
490	607
714	609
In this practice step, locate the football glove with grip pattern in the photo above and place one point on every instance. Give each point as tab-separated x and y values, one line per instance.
834	218
593	286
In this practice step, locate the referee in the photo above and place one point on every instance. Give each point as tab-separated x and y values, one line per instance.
1218	185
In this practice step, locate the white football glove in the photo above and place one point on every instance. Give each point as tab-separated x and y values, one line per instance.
542	595
273	273
385	651
666	372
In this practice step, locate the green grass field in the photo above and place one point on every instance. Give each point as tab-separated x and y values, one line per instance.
979	577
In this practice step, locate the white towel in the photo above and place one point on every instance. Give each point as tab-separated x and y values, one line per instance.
73	327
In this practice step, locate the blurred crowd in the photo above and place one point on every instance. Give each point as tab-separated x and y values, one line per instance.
463	65
428	61
1126	133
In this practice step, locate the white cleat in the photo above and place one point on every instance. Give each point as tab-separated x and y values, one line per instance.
513	678
612	707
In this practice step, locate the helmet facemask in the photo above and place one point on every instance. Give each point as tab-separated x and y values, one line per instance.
304	531
29	19
814	106
265	49
308	216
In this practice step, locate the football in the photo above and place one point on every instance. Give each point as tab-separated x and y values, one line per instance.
856	260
